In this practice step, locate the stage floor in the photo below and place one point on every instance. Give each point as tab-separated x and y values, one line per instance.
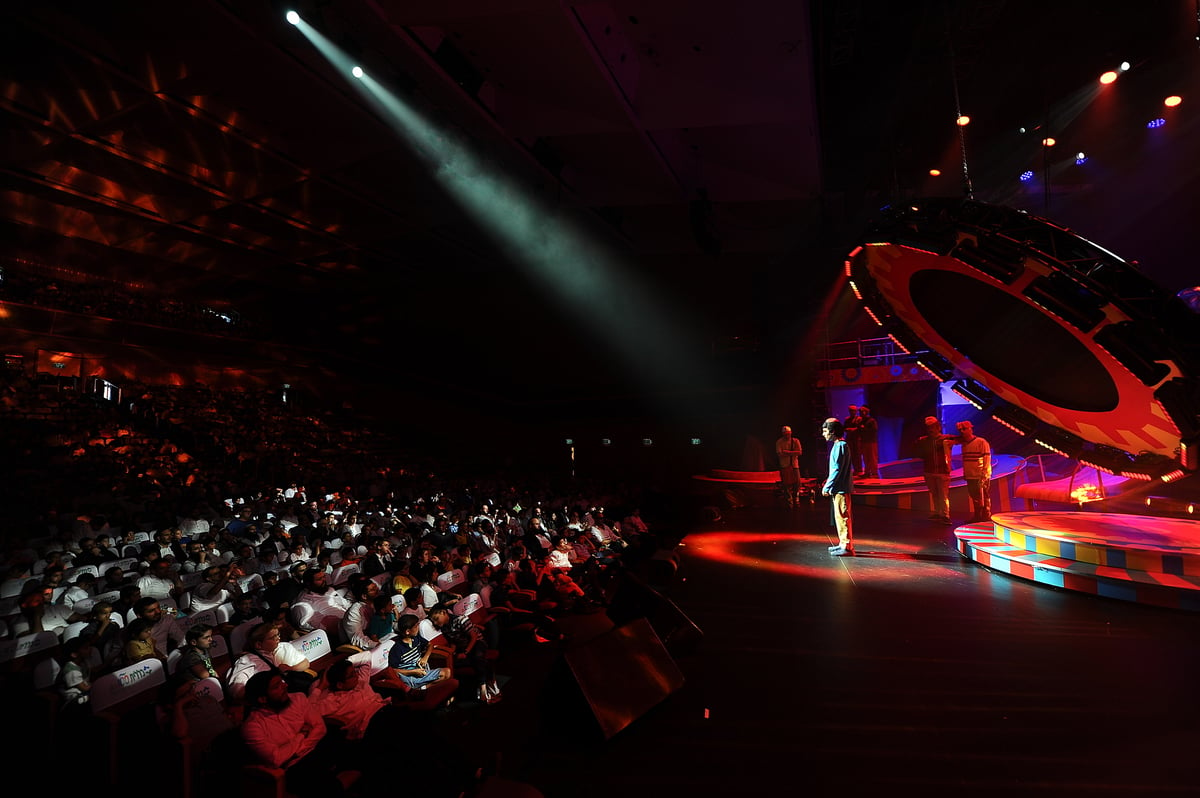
904	671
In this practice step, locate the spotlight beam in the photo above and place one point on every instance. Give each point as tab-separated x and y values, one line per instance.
618	308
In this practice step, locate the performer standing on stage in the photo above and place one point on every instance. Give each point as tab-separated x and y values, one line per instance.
838	486
868	442
977	470
935	454
850	433
788	449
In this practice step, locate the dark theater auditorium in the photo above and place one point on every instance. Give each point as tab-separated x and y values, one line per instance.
605	399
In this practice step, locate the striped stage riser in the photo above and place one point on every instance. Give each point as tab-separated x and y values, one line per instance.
1102	554
981	542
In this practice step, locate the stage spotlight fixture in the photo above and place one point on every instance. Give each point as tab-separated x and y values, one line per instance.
934	172
1108	77
1048	142
963	120
1020	130
1172	101
357	72
1156	123
1080	158
293	17
1124	66
1166	504
1026	176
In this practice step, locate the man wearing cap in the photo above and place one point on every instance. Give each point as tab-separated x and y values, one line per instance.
935	454
977	470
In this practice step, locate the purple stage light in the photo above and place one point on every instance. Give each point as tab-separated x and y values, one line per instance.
1026	176
1155	123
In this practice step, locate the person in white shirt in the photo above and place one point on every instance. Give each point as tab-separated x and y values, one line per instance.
321	602
80	590
193	526
263	652
161	582
562	556
358	615
977	470
37	614
218	587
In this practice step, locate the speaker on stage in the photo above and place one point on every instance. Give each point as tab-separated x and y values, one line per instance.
612	680
635	598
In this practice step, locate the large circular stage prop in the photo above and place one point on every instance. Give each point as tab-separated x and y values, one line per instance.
1055	336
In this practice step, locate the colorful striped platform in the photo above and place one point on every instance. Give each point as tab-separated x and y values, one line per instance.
1133	558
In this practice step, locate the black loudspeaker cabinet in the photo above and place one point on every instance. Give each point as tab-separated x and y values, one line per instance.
613	679
635	598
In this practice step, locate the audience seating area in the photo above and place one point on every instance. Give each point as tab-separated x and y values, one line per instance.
162	481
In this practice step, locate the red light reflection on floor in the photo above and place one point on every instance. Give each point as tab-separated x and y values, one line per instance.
903	560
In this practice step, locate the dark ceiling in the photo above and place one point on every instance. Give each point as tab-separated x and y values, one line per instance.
723	152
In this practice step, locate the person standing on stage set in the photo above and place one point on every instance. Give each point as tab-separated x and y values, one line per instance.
868	442
935	454
850	432
977	470
788	449
839	485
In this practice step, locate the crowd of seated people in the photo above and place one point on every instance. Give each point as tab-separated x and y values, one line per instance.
420	583
71	451
30	286
247	427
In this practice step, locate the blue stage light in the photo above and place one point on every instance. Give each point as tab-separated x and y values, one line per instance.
1153	123
1026	176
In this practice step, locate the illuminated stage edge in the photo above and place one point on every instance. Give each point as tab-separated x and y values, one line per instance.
1135	558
